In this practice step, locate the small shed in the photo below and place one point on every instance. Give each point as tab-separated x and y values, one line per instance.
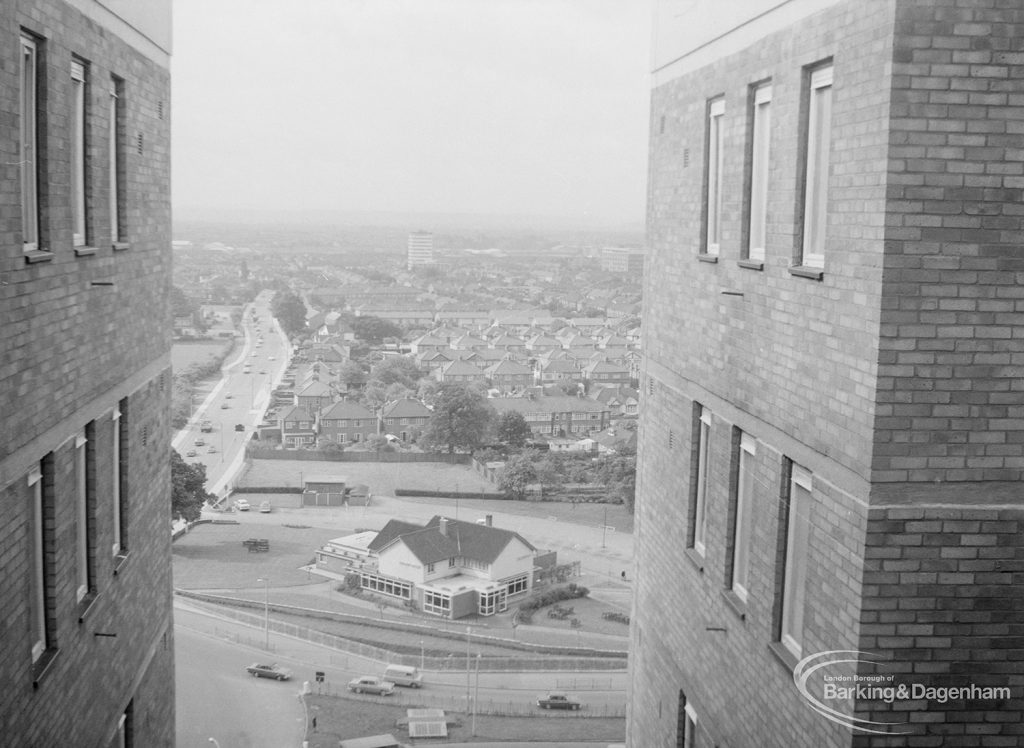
324	490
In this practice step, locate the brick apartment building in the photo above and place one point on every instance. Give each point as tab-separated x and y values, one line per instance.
86	640
831	446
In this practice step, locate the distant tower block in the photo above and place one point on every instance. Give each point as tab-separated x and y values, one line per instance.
421	249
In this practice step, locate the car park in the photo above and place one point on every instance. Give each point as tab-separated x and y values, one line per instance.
370	684
242	505
275	671
555	700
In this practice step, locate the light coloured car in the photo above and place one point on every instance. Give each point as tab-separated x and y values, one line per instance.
370	684
242	505
265	507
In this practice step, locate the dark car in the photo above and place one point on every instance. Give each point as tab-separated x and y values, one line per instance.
239	427
554	700
275	671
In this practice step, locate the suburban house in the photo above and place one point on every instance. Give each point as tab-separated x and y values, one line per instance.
550	415
509	375
605	372
558	370
314	397
428	344
345	422
297	426
449	567
460	371
405	418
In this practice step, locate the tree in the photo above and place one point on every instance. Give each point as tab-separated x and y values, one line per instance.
373	330
352	375
618	472
512	429
462	419
396	369
290	312
517	474
181	304
187	487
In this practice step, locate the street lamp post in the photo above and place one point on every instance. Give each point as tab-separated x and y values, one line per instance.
423	656
476	694
266	612
467	668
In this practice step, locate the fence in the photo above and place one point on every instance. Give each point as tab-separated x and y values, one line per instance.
489	706
450	663
255	452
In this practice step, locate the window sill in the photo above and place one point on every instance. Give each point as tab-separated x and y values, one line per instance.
751	264
85	251
736	605
696	559
86	606
803	271
43	666
784	656
704	257
120	246
120	561
38	255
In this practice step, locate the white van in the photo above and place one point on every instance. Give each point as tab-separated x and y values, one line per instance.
401	675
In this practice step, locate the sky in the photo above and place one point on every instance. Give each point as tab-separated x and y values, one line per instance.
495	107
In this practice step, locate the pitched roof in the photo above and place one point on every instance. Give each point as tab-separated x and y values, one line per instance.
345	409
315	389
507	367
462	539
406	408
548	404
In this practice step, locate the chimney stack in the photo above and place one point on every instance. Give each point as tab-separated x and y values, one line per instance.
443	526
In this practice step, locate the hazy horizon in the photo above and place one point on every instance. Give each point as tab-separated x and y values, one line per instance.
523	108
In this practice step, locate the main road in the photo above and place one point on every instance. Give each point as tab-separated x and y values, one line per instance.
240	398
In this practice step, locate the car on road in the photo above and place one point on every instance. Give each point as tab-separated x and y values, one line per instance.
275	671
370	684
228	396
190	453
242	505
225	406
265	507
263	371
555	700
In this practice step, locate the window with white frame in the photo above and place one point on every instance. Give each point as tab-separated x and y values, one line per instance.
686	723
702	451
115	472
516	585
744	516
816	150
713	167
114	159
436	603
78	178
81	519
795	573
759	151
39	626
27	142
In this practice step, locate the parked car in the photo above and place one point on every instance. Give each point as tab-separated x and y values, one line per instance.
369	684
225	406
212	449
200	443
242	505
190	453
265	507
275	671
553	700
239	427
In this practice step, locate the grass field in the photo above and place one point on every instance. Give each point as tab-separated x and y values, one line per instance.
185	355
